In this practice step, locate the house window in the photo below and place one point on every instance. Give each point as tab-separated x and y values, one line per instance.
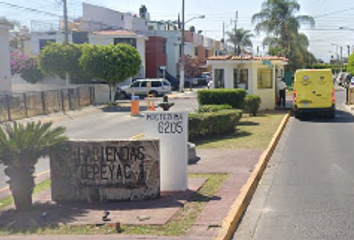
80	37
264	77
206	53
241	78
164	47
131	41
150	28
196	51
219	78
45	42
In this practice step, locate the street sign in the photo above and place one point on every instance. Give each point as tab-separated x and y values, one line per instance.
172	130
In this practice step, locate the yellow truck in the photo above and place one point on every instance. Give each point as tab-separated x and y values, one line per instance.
313	92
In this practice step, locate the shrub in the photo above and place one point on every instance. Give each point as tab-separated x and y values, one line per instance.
213	123
233	97
213	108
252	103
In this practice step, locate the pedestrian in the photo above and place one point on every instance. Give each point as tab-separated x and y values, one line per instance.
210	84
282	88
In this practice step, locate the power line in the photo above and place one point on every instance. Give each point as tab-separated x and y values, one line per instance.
29	9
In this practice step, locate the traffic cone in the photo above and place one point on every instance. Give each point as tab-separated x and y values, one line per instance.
152	106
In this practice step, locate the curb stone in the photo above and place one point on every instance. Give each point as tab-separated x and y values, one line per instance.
239	207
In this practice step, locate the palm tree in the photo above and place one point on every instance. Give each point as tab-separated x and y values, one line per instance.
277	19
241	39
20	148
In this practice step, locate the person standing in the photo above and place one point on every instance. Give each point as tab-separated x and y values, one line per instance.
282	92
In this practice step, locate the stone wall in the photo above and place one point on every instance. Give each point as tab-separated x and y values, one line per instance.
98	171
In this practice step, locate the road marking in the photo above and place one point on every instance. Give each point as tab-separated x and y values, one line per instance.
38	175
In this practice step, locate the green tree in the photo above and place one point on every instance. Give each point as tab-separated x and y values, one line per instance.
241	39
278	20
20	148
350	67
111	63
59	59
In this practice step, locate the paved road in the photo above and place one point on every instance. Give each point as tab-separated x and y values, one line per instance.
105	124
307	191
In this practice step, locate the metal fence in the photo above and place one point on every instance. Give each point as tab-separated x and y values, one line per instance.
23	105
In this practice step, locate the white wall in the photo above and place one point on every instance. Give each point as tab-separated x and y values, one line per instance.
5	74
36	37
95	18
109	39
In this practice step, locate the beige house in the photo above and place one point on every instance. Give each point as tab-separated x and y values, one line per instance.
257	75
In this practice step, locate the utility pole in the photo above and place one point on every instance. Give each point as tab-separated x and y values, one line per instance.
223	35
235	22
348	46
181	76
341	58
66	33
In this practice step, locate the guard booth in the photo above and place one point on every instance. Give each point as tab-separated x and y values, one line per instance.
257	75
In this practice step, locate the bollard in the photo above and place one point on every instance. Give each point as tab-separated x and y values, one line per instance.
149	96
134	109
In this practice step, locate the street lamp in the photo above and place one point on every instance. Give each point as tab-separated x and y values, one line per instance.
181	74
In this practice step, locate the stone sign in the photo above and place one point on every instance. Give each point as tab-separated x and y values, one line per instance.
172	130
106	171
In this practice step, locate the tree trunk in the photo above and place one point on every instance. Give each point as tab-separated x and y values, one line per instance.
21	185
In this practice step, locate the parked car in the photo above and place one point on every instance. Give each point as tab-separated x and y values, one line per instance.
202	79
351	85
340	78
347	79
158	87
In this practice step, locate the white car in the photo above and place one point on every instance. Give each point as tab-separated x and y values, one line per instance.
155	87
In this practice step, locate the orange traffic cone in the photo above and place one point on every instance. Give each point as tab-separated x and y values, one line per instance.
152	106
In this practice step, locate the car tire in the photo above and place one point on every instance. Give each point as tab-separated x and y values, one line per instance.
331	114
297	114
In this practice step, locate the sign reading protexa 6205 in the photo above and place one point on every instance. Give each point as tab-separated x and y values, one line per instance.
172	130
167	122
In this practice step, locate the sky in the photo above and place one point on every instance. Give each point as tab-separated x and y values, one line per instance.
326	39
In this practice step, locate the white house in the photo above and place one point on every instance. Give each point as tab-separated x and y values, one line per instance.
257	75
5	74
96	18
121	36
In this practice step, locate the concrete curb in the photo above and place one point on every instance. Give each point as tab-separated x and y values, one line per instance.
238	208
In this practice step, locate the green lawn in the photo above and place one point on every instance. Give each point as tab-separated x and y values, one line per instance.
251	133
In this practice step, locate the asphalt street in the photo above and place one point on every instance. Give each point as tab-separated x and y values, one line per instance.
307	190
107	123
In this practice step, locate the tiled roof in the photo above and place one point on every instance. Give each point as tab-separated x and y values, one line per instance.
238	57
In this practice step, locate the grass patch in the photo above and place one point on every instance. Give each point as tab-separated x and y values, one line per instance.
251	133
37	189
177	226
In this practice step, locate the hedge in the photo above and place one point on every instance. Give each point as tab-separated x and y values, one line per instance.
233	97
213	108
252	104
213	123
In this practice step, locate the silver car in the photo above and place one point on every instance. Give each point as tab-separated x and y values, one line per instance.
155	87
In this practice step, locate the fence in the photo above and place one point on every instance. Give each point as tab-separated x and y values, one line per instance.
23	105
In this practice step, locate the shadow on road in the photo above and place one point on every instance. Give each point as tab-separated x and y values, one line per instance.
341	117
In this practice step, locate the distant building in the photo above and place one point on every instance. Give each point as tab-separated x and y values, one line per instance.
106	37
